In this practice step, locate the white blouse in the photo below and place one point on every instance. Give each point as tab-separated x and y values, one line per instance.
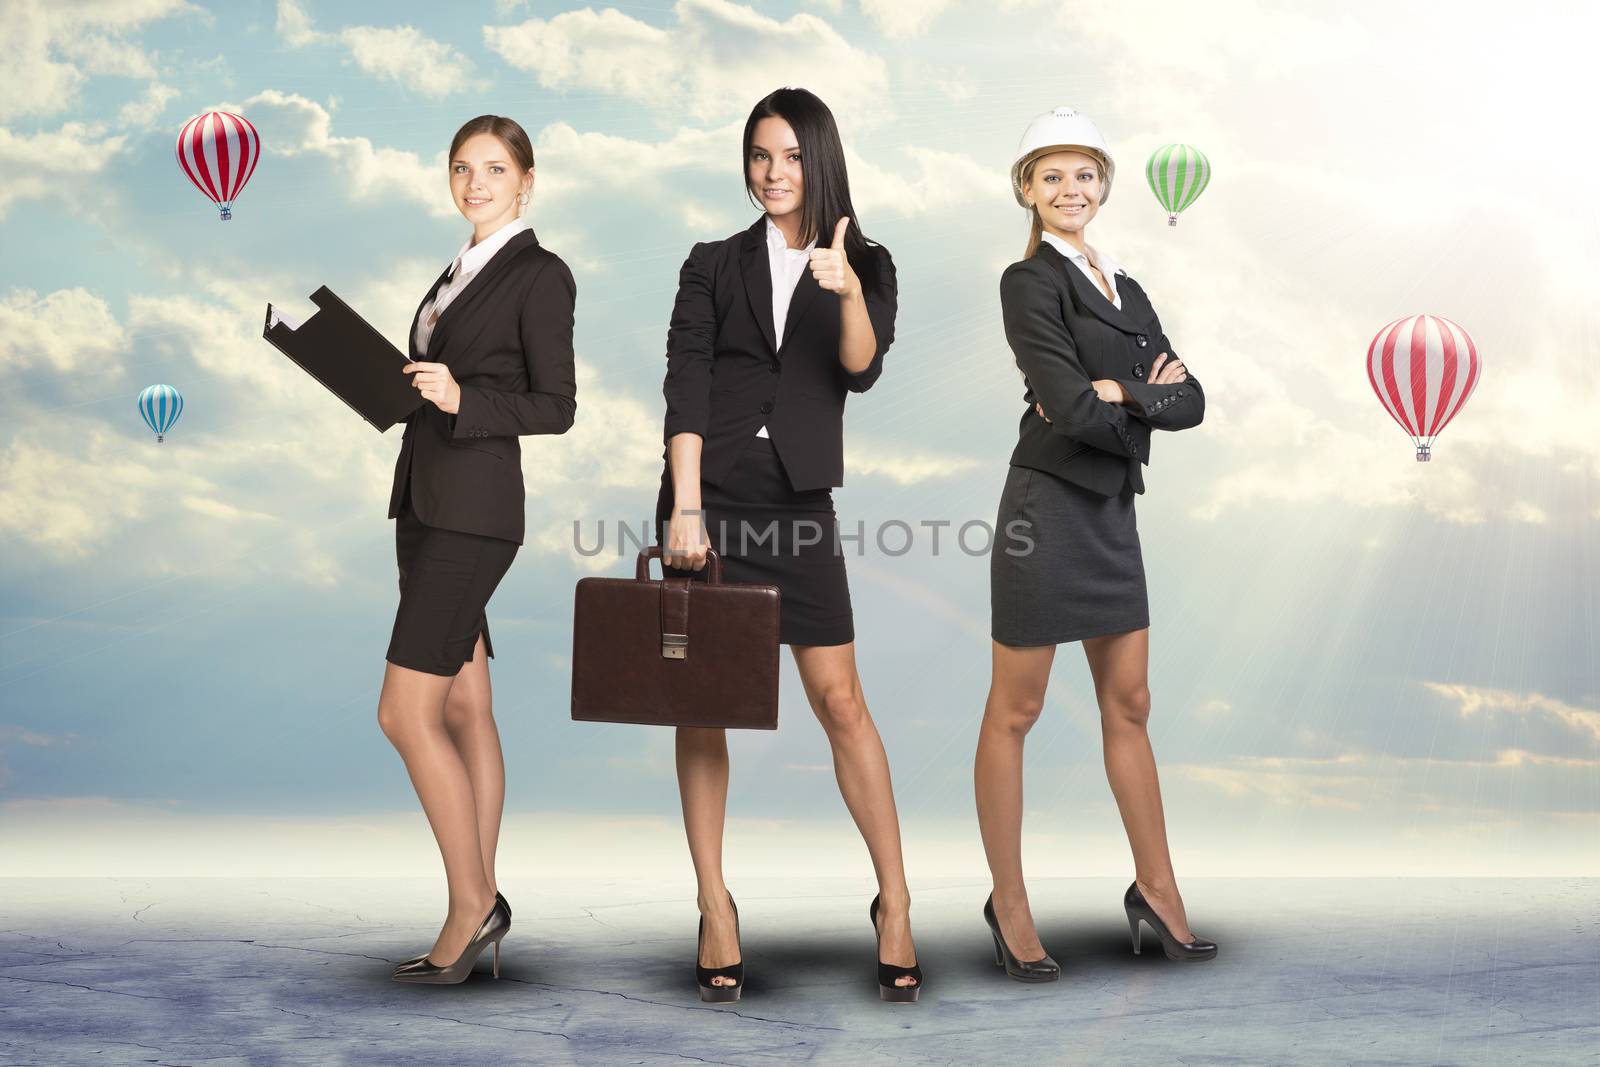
1107	265
787	265
467	263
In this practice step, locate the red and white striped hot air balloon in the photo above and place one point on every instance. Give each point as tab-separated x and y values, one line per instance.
219	151
1423	368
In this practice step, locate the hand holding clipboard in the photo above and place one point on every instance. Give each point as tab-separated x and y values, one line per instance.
355	362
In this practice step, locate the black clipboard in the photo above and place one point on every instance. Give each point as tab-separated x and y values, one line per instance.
356	363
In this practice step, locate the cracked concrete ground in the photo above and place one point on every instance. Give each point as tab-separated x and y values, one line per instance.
1359	971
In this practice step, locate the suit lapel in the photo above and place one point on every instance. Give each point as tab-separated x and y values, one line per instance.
805	294
757	274
480	280
1089	293
411	338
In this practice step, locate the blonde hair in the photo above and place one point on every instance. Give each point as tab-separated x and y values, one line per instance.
1035	226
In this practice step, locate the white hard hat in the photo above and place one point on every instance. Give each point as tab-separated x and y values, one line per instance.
1061	130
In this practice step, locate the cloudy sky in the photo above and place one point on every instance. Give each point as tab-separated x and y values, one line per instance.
1359	663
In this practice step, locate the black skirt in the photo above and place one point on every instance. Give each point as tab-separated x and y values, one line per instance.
1065	563
446	579
769	534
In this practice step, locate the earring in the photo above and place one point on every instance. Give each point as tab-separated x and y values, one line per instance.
522	198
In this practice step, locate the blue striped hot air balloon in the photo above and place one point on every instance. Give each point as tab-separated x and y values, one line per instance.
1178	173
160	405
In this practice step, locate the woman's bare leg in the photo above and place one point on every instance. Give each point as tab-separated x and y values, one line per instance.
1119	663
832	685
411	714
1016	697
702	759
469	720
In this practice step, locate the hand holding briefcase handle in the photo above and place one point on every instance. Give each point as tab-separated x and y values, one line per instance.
675	651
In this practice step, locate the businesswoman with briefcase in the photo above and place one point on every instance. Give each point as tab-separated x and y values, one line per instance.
491	346
1099	376
771	330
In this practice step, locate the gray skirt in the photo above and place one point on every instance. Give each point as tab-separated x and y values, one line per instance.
1065	564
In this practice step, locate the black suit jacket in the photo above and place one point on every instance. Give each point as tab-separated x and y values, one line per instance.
1065	333
727	373
507	339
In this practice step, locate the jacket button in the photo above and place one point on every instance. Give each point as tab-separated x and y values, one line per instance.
1180	392
774	370
1138	370
1141	340
766	409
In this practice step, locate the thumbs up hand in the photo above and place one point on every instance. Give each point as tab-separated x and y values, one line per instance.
831	267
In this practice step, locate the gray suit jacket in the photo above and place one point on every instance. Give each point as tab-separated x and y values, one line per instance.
1065	333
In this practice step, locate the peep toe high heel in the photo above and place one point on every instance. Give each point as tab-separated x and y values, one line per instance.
711	992
1044	969
889	974
1138	908
423	971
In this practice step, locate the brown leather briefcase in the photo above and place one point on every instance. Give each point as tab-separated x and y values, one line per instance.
675	652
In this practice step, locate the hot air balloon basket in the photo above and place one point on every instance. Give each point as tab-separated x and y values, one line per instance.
1424	453
227	213
1172	220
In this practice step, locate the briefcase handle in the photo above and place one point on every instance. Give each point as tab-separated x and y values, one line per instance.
642	569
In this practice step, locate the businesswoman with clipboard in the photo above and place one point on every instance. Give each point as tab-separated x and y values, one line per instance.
491	346
1099	375
772	329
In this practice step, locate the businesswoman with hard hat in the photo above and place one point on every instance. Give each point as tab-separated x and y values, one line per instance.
491	351
1099	375
771	330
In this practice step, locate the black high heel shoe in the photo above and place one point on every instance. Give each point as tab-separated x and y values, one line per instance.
709	992
889	974
1138	908
490	931
1044	969
502	901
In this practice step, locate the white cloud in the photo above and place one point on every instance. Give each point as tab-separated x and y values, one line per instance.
1355	781
908	18
67	330
1528	512
1473	700
919	181
52	49
305	127
712	63
569	160
68	493
238	470
401	54
59	164
143	111
901	466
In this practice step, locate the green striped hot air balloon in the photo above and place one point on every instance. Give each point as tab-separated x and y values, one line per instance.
1178	173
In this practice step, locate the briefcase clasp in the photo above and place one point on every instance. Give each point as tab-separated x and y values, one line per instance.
675	646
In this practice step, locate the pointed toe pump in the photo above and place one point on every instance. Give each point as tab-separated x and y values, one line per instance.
423	971
889	974
711	992
1043	969
505	905
1138	908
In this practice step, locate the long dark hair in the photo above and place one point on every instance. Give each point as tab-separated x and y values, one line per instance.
827	185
